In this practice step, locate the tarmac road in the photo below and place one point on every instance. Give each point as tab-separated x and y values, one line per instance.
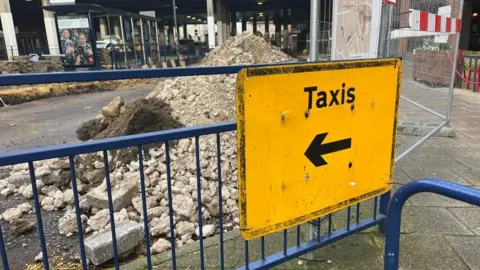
53	121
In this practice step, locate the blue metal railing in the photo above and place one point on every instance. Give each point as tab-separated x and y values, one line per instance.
71	150
448	189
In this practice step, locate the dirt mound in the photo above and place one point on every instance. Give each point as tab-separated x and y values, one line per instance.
201	100
140	116
245	48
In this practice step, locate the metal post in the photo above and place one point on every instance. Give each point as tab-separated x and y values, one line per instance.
454	67
158	42
133	40
122	36
142	43
314	5
255	23
285	29
175	34
389	29
112	46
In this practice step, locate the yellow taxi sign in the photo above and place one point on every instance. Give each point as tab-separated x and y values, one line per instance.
313	138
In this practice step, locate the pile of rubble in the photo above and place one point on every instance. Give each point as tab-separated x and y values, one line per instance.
186	101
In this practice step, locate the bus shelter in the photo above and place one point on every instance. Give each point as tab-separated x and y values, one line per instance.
97	37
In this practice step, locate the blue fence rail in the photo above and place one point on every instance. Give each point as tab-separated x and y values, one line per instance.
447	189
298	248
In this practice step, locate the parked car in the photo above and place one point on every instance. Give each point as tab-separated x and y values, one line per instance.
107	41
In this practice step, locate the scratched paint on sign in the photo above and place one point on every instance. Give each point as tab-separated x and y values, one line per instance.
313	139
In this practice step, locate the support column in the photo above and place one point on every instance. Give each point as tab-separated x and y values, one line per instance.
219	11
267	25
185	32
8	29
233	17
103	27
210	24
278	29
171	37
244	24
226	23
254	23
285	28
50	30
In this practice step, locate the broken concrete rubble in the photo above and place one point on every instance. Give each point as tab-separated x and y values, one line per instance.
99	248
122	195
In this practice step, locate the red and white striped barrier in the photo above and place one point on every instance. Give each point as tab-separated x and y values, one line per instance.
424	21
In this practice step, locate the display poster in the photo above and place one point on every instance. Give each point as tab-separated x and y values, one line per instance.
75	40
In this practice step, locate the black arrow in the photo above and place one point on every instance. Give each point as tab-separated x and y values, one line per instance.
317	149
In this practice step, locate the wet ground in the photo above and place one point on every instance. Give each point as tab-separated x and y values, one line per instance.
53	121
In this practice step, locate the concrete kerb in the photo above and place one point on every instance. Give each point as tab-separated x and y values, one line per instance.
166	256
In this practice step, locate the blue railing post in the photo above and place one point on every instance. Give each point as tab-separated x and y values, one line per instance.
393	223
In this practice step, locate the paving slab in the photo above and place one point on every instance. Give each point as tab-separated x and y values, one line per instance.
448	151
470	175
407	163
471	163
431	221
470	217
439	173
467	248
469	142
431	199
427	252
445	142
471	133
435	163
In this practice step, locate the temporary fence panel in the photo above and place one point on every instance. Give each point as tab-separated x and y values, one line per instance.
263	252
425	34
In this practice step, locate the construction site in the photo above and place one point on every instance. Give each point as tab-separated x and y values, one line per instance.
143	133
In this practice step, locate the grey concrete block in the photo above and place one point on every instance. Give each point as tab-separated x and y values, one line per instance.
164	65
415	129
466	247
121	196
99	246
172	63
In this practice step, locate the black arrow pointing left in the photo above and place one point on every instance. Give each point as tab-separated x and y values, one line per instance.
317	149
